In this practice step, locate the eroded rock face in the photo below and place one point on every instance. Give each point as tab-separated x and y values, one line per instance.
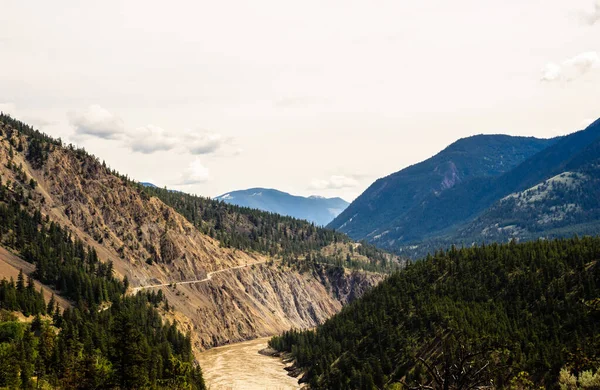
120	218
263	300
347	285
151	243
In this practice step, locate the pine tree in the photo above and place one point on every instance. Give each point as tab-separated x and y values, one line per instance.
20	282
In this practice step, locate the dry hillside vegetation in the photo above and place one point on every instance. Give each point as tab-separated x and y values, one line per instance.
150	243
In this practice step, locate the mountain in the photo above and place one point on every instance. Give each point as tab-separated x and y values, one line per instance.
118	251
95	335
390	198
553	194
517	316
451	216
315	209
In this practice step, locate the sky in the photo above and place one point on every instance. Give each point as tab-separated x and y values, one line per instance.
310	97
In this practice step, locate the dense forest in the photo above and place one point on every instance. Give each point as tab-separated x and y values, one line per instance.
106	339
470	193
391	201
562	206
273	234
292	240
508	315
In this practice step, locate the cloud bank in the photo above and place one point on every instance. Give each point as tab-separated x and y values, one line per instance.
203	143
593	16
97	121
571	68
149	139
195	173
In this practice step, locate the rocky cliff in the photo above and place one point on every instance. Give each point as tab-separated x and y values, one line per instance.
150	243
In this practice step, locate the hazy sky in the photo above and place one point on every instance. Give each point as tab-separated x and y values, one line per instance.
310	97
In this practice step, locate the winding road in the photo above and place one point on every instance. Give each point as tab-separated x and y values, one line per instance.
206	279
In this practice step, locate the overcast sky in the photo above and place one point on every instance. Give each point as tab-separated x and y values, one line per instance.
310	97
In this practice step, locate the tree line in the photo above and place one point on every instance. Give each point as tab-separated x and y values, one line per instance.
233	226
523	312
105	339
272	234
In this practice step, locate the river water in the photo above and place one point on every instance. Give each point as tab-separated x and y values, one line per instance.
240	366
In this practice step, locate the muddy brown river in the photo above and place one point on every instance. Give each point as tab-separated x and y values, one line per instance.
240	366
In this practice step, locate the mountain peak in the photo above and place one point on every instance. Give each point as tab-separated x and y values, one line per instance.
383	207
314	208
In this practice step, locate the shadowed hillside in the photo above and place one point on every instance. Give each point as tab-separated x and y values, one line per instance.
500	315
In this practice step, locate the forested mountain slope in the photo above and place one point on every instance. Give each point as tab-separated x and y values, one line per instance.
468	212
563	205
100	337
390	198
512	315
552	194
293	276
314	209
272	234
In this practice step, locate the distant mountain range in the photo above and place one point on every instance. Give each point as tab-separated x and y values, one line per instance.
315	209
481	189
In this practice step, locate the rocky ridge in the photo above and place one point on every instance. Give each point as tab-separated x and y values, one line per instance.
149	242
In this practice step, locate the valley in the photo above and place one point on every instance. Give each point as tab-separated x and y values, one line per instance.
216	284
299	195
216	275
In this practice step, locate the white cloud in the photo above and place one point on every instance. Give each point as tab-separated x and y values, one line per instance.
592	17
334	182
571	68
195	173
149	139
96	121
551	72
204	143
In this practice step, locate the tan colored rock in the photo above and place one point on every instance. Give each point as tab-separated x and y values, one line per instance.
151	243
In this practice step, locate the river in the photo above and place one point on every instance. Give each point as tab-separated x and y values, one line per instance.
240	366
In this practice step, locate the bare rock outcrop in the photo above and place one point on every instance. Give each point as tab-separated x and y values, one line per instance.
151	243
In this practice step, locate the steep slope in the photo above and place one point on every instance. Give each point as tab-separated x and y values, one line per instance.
450	217
102	337
151	243
567	203
263	300
390	198
472	318
461	216
11	265
315	209
287	238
